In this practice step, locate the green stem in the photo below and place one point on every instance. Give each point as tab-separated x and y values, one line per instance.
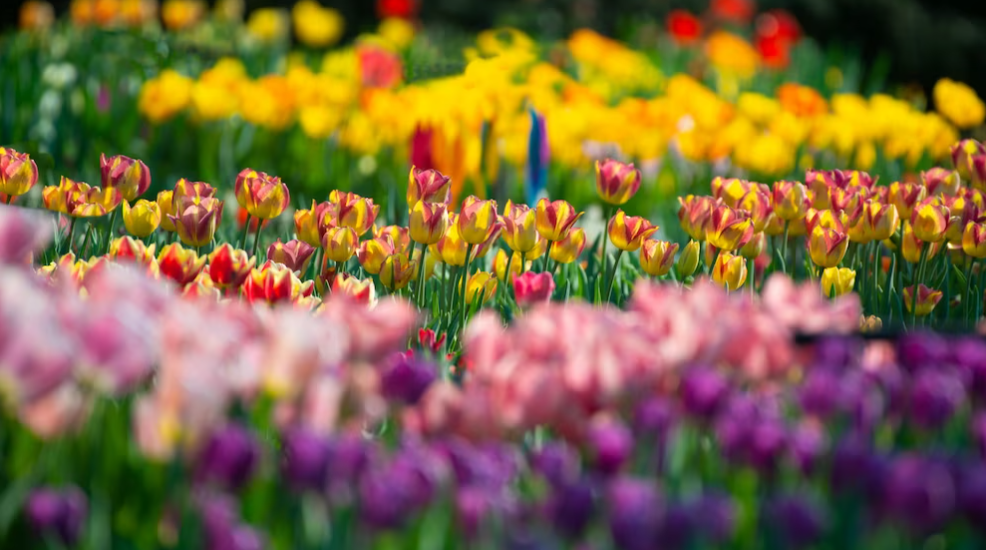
784	239
85	243
752	271
612	279
246	231
109	233
967	298
71	234
256	239
979	295
465	287
888	292
917	280
420	287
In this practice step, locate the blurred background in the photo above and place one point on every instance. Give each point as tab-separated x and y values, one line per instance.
922	40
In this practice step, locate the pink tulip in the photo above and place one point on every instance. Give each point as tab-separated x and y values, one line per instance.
531	288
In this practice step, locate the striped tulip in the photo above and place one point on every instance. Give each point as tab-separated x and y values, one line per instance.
629	232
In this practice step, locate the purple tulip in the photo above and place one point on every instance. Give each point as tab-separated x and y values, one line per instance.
571	507
349	456
855	467
969	354
919	492
472	506
935	396
820	393
837	352
654	418
807	443
385	497
556	462
61	514
797	521
715	517
230	457
635	510
305	460
921	349
677	527
222	530
734	425
703	392
407	378
768	441
972	495
611	445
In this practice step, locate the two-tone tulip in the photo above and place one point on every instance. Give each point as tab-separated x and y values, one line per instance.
130	176
837	281
827	246
340	243
196	223
399	235
507	265
99	201
911	246
397	271
229	267
962	154
758	204
142	219
261	195
754	248
977	178
274	283
695	215
730	190
477	219
657	257
193	189
790	200
166	202
730	229
428	186
428	222
128	249
480	286
493	237
927	299
930	220
729	271
354	211
568	250
628	232
541	249
941	181
179	264
360	291
306	223
616	182
905	195
554	220
877	222
373	252
294	254
18	173
520	227
688	260
974	240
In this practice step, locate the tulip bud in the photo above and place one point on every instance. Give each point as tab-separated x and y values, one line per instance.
555	220
179	264
261	195
910	245
974	240
481	286
962	154
397	271
927	299
568	250
761	211
657	257
340	243
532	288
837	281
729	271
476	219
504	264
941	181
695	215
374	252
688	260
165	200
754	249
294	254
930	220
196	225
519	227
628	232
353	211
229	267
143	219
827	246
616	182
429	186
876	223
790	200
730	229
428	222
131	177
193	190
18	173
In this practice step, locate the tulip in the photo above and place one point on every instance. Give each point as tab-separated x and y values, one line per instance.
729	271
131	177
829	219
610	445
911	246
64	197
930	220
372	253
568	250
179	264
962	212
695	215
555	220
504	264
837	281
126	249
790	200
196	224
962	154
361	291
340	244
428	186
229	267
541	248
165	200
59	514
688	260
974	240
754	249
306	223
406	379
294	254
354	211
941	181
261	195
926	299
399	235
730	229
230	457
519	227
476	220
193	189
628	232
431	260
18	173
616	182
397	271
452	248
481	286
905	196
657	257
827	246
98	202
143	219
977	179
757	203
876	223
533	288
428	222
274	283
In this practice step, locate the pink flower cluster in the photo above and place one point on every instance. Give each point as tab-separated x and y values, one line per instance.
561	364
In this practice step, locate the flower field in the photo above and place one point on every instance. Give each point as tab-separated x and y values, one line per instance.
266	286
